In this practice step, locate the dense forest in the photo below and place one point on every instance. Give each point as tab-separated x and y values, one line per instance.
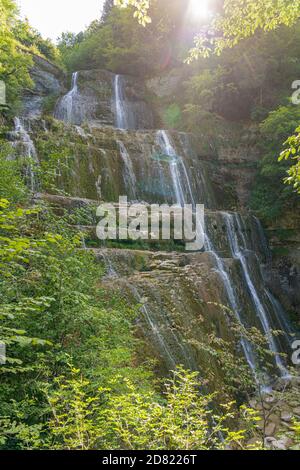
82	371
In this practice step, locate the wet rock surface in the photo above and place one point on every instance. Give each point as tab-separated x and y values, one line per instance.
181	296
278	412
48	84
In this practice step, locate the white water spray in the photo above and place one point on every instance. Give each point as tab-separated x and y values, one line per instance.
65	110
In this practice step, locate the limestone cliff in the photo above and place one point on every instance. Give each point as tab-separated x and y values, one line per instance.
103	135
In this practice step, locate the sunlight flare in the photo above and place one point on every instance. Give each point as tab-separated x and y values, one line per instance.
199	9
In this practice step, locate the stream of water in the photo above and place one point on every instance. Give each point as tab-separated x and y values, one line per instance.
266	308
66	109
20	137
178	184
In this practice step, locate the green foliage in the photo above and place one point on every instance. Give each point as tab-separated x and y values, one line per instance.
14	63
141	9
18	42
233	21
112	46
296	429
56	313
249	80
33	41
76	422
68	46
183	418
292	152
121	44
14	252
242	19
76	375
173	115
269	196
12	184
52	308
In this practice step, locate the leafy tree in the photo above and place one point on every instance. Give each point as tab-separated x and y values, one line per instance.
51	309
14	62
107	7
33	41
12	184
67	45
292	152
235	20
240	19
121	44
183	418
269	197
18	42
141	9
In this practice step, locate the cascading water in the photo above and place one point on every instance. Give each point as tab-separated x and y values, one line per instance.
169	150
129	175
258	303
131	113
24	137
161	329
204	190
21	137
175	163
111	273
249	352
170	343
163	346
184	184
285	325
66	109
121	108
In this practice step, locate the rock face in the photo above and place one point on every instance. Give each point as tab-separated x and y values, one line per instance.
232	155
181	295
95	96
284	276
48	80
232	158
277	412
105	163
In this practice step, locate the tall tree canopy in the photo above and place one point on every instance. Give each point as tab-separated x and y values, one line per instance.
14	63
18	43
235	21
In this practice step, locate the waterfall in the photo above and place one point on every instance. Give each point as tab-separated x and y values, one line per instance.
258	303
282	319
263	241
66	109
111	273
203	189
169	150
160	334
121	107
133	113
164	141
21	135
183	356
24	137
129	175
182	185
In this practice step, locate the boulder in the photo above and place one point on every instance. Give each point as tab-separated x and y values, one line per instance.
286	416
270	429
